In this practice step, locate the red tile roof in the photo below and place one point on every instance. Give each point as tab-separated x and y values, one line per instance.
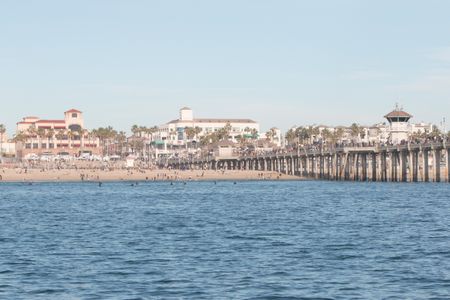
73	110
51	121
398	114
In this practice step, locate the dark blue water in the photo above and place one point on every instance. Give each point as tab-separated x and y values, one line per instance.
252	240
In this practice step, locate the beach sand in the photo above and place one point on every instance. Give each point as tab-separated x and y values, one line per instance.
38	175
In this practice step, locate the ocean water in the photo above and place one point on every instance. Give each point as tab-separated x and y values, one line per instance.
249	240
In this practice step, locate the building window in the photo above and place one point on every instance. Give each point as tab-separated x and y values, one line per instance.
44	146
74	115
28	146
51	145
75	127
35	145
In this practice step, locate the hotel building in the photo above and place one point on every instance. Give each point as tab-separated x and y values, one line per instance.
43	136
174	132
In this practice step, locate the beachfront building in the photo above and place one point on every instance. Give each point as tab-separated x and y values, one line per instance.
48	136
7	147
175	133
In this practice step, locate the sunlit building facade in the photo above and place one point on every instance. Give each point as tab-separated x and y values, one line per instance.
47	136
174	132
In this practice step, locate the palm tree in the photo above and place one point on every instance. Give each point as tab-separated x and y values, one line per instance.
150	132
77	134
135	129
254	133
172	134
326	135
41	134
19	138
137	145
84	134
190	132
271	133
138	130
2	132
121	140
106	136
224	133
49	134
142	130
290	136
59	137
338	134
32	132
435	132
303	134
70	136
355	131
210	138
315	131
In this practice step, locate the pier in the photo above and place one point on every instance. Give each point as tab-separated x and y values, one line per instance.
400	163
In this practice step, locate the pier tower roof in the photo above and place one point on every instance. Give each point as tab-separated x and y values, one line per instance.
398	115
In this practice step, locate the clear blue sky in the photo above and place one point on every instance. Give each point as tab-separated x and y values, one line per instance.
281	63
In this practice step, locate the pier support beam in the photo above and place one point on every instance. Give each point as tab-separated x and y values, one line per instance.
403	166
374	167
364	166
426	168
415	166
437	165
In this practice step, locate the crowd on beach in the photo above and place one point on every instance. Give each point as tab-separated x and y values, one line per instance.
92	172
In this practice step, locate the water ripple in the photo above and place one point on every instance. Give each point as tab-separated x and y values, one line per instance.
253	240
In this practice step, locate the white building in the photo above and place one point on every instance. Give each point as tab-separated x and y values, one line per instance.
174	132
7	147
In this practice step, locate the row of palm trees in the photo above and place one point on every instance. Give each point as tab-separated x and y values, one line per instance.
306	135
223	134
48	135
110	140
433	134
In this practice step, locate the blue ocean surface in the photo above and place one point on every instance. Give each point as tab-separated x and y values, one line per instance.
201	240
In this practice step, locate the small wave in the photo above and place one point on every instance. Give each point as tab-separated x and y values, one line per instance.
252	238
47	291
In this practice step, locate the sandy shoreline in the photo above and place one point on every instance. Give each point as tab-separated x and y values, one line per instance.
95	175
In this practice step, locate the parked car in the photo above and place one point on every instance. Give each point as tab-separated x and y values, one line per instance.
64	156
31	156
95	158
